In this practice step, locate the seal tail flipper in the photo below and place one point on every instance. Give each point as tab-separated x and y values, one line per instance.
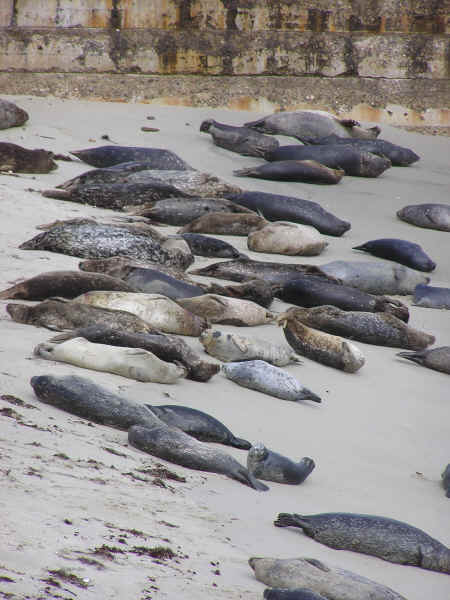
244	172
292	520
239	443
308	395
68	334
245	477
417	357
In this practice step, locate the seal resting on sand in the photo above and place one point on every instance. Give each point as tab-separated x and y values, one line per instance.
108	156
308	171
242	140
11	115
270	466
430	216
22	160
287	238
401	251
389	539
437	359
180	448
430	296
228	311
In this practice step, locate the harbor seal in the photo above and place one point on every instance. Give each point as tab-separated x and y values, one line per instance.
375	277
430	216
309	291
275	207
180	448
59	314
352	160
22	160
157	310
11	115
379	328
332	582
133	363
203	245
169	348
121	266
256	290
389	539
108	156
261	376
98	240
446	480
330	350
66	284
241	140
177	211
437	359
295	594
227	311
307	125
270	466
307	171
79	396
224	223
287	238
429	296
198	424
401	251
398	155
230	347
153	281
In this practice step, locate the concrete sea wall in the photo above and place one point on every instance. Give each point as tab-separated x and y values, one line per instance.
377	60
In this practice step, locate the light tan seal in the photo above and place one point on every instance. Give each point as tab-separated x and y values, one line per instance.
133	363
224	223
287	238
228	311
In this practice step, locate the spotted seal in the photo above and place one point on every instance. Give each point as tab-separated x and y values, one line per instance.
308	171
11	115
287	238
231	347
380	328
18	159
437	359
241	140
270	466
198	424
107	156
332	582
330	350
178	447
430	216
261	376
401	251
352	160
134	363
307	125
66	284
203	245
389	539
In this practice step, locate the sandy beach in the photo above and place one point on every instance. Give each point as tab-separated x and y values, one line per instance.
77	500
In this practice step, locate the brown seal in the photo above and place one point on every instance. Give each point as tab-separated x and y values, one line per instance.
22	160
225	223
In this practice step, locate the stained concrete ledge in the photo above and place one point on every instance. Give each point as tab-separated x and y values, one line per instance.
414	102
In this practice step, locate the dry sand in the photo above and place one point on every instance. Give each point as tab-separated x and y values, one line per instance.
380	439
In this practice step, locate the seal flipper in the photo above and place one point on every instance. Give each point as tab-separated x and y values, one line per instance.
294	520
235	442
255	483
417	357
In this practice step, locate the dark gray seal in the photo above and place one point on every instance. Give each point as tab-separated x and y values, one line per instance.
22	160
270	466
67	284
152	281
203	245
376	277
446	480
107	156
263	377
198	424
430	216
353	161
437	359
177	211
295	594
245	269
58	314
429	296
307	171
180	448
242	140
401	251
275	207
96	240
307	125
256	290
398	155
332	582
379	328
170	348
81	397
308	291
11	115
389	539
